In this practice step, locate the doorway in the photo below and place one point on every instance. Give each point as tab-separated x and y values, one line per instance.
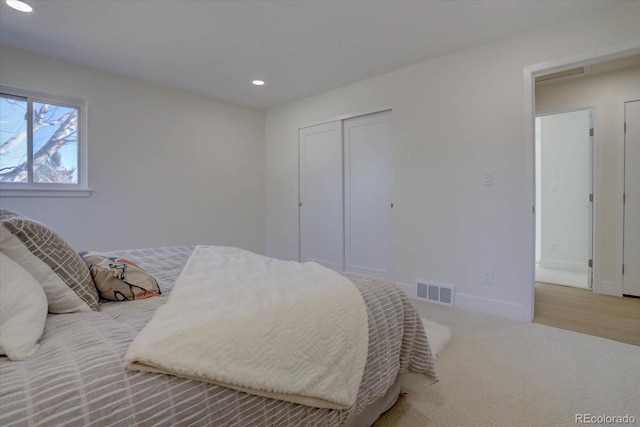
605	280
564	198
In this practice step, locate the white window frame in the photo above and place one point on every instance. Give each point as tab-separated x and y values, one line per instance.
81	189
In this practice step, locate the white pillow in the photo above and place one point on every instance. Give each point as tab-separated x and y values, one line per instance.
23	310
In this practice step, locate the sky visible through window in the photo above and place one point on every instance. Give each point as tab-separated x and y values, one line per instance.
55	142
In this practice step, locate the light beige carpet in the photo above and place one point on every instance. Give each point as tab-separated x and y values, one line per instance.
496	372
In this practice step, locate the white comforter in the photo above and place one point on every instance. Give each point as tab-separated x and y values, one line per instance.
280	329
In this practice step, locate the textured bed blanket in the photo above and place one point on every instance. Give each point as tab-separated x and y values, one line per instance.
280	329
77	377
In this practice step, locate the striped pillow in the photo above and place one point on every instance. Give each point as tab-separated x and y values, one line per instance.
54	264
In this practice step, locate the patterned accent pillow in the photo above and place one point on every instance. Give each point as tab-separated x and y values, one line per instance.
118	279
52	261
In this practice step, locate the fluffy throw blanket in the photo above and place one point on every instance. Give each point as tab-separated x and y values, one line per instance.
280	329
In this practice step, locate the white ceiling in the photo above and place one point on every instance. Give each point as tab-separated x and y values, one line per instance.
299	47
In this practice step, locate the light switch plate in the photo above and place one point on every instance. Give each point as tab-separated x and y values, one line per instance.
487	178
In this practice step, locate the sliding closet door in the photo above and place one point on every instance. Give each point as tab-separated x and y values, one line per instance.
321	188
367	193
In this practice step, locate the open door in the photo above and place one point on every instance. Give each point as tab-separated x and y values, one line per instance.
564	196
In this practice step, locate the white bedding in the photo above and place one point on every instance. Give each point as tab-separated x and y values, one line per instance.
280	329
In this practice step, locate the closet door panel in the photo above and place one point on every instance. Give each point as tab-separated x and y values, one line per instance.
368	189
321	195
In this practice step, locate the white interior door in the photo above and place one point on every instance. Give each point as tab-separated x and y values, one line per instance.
368	189
631	251
321	193
564	185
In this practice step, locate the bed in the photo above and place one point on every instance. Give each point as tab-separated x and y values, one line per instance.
77	376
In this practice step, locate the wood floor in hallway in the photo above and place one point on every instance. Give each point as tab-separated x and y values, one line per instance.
580	310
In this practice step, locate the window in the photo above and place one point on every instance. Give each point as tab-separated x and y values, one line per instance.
42	144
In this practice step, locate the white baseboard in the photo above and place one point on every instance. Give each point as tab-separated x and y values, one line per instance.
493	307
580	267
473	303
554	264
410	290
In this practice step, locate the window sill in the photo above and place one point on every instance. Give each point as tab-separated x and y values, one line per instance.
48	192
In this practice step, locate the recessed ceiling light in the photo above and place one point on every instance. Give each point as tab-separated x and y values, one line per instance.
258	82
19	5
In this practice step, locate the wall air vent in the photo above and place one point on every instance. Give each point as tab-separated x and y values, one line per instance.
432	292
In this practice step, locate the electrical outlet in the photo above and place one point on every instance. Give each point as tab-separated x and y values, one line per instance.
487	277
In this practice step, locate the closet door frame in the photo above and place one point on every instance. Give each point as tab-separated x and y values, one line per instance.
340	118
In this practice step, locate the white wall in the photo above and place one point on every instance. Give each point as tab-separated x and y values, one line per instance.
454	117
603	92
167	167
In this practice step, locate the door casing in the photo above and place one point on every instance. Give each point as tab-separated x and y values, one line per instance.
529	74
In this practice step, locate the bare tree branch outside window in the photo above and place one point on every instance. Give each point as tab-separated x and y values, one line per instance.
53	142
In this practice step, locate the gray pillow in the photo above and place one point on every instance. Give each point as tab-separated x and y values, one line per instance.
50	260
